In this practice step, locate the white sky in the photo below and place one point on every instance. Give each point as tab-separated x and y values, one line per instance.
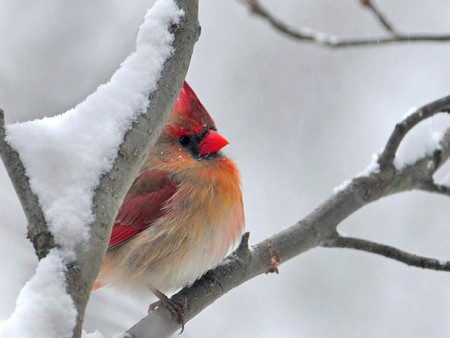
300	120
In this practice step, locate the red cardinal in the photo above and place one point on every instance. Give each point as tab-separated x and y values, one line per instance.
184	210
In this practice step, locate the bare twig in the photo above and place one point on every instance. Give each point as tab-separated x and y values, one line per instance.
331	41
380	16
388	252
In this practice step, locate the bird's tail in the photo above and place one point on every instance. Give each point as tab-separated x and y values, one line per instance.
97	286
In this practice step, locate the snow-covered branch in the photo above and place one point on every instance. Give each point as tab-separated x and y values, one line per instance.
97	148
319	228
331	41
402	128
38	232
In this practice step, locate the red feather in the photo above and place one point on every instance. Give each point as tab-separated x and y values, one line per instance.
143	205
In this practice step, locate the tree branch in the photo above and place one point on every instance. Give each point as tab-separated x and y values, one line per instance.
81	272
134	150
38	231
402	128
316	229
436	188
388	252
331	41
380	16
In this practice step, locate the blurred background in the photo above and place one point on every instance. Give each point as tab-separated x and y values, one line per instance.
300	119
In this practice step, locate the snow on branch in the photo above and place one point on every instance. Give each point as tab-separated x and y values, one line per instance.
43	241
72	171
317	229
402	128
331	41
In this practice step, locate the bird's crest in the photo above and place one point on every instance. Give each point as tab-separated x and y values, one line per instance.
188	115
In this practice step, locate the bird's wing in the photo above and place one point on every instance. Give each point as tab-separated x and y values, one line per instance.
143	204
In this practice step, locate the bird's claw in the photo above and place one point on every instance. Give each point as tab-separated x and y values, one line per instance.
176	308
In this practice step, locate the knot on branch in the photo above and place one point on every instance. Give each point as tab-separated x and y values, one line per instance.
174	28
364	190
42	242
274	260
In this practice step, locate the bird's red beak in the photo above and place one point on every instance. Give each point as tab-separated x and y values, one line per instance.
212	143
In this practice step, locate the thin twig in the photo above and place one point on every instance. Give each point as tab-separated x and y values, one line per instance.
380	16
386	158
388	252
436	188
331	41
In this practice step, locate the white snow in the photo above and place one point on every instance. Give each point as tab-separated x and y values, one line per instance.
409	112
373	167
442	262
319	36
43	308
421	141
342	186
94	334
65	156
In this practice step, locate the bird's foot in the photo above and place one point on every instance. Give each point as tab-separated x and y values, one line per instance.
176	308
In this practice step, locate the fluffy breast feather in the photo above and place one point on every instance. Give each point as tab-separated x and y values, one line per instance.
203	220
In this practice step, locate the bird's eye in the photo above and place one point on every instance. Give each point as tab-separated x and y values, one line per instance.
185	140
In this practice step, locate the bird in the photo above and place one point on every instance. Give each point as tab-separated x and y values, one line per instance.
182	214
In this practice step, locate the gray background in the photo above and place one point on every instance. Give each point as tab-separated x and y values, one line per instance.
300	120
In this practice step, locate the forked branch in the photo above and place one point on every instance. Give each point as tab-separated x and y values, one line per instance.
380	16
82	267
331	41
319	228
